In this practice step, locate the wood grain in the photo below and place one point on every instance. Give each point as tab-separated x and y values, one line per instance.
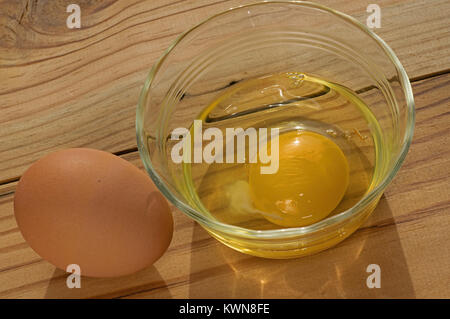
69	88
407	236
72	88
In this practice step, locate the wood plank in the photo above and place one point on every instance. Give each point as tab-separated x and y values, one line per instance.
407	235
79	88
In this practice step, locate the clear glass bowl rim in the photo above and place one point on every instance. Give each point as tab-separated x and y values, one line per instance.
285	232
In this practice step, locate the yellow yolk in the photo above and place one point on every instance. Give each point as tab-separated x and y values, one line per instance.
312	178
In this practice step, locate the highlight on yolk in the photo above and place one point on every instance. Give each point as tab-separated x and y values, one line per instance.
312	178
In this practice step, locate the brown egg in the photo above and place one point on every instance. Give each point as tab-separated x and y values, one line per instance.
91	208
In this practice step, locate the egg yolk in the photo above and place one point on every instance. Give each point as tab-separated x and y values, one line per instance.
311	180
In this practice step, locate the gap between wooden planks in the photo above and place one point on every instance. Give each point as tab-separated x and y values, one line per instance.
407	235
79	88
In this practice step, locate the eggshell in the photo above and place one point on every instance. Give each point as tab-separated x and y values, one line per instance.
91	208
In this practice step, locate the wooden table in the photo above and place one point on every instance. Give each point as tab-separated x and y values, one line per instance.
64	88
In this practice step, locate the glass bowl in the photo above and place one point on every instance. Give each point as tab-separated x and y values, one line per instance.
254	41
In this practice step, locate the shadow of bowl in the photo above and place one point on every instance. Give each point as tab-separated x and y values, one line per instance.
339	272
